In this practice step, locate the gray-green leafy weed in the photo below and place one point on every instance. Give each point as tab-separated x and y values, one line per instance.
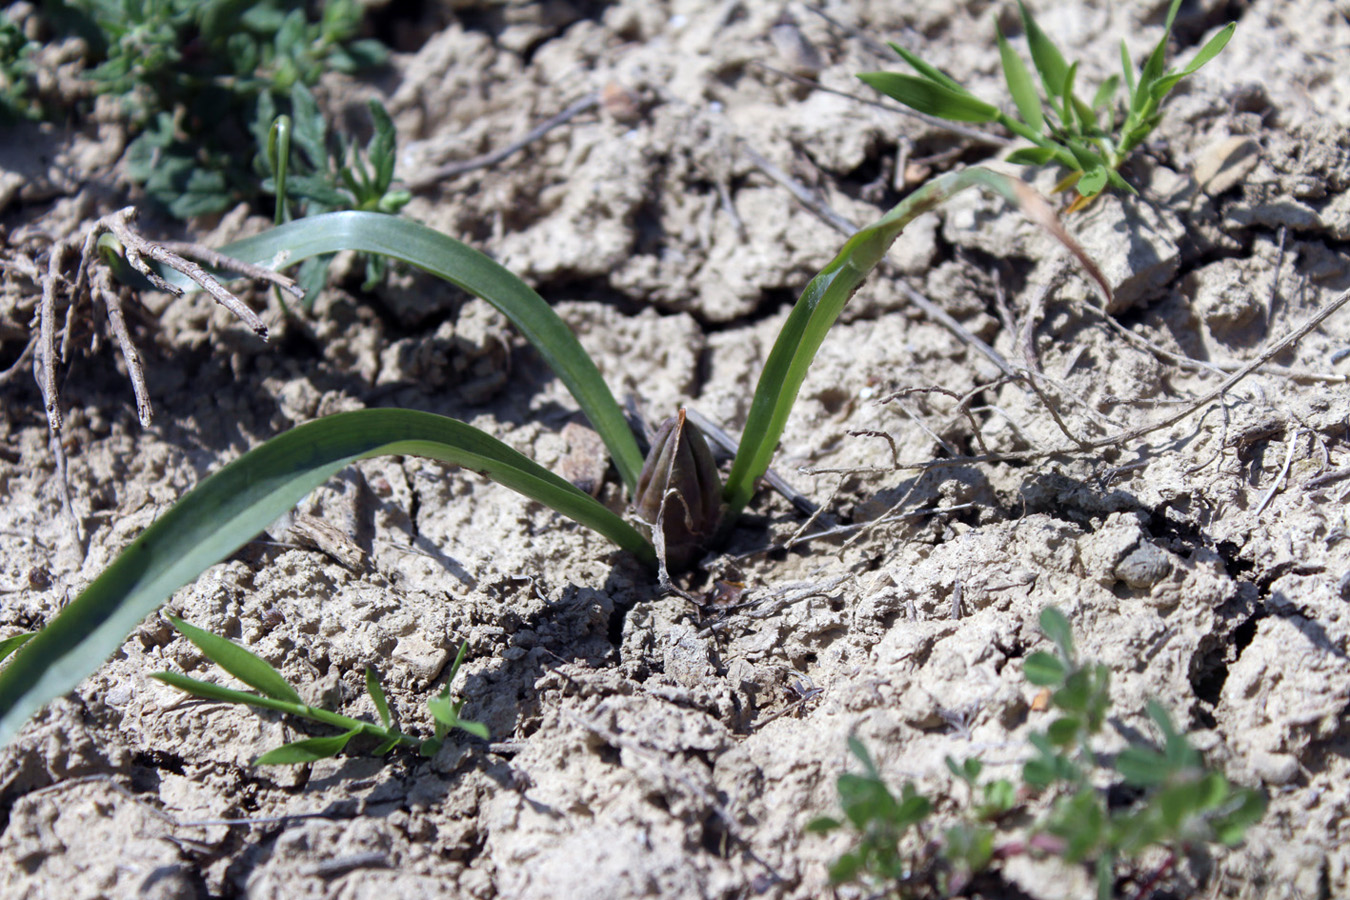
1178	804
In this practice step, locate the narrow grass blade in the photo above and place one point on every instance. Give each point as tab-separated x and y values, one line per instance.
931	98
248	667
824	298
1105	92
466	268
1127	67
1031	156
376	692
308	750
1153	66
209	690
229	508
932	73
1046	56
14	642
1163	86
1020	85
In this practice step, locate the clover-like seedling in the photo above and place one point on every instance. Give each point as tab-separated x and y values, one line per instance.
1179	804
275	693
1087	139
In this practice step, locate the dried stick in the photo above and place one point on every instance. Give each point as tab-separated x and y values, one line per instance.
112	302
1284	473
450	170
21	362
1125	437
46	356
137	248
218	260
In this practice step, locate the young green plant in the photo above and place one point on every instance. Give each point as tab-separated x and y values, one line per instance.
305	165
276	694
1084	138
1178	804
227	509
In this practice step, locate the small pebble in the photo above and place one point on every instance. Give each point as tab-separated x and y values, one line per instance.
1144	567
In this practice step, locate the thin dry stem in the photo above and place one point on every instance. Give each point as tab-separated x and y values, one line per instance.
450	170
111	296
218	260
137	248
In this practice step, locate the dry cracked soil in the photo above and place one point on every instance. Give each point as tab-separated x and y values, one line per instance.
657	746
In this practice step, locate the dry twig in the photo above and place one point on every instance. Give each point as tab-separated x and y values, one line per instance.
450	170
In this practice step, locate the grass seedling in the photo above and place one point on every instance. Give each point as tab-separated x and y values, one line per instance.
1087	139
275	693
1177	804
327	172
227	509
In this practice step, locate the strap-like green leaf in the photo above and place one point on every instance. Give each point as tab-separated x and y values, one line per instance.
376	692
1127	67
1031	156
209	690
248	667
1046	56
229	508
308	750
1153	66
1163	86
465	267
824	298
932	73
14	642
1020	85
1105	91
931	98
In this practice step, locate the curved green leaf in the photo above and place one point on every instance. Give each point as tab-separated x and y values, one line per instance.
1163	86
932	73
376	692
307	750
1019	84
931	98
1031	156
466	268
1049	61
824	298
227	509
245	665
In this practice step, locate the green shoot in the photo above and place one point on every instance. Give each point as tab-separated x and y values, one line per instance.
275	693
1181	805
326	173
824	298
1084	138
14	642
226	510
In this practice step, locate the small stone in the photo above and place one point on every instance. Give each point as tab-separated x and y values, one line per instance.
1275	768
1144	567
1225	163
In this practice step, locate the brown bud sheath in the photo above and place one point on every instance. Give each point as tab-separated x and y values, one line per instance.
680	488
